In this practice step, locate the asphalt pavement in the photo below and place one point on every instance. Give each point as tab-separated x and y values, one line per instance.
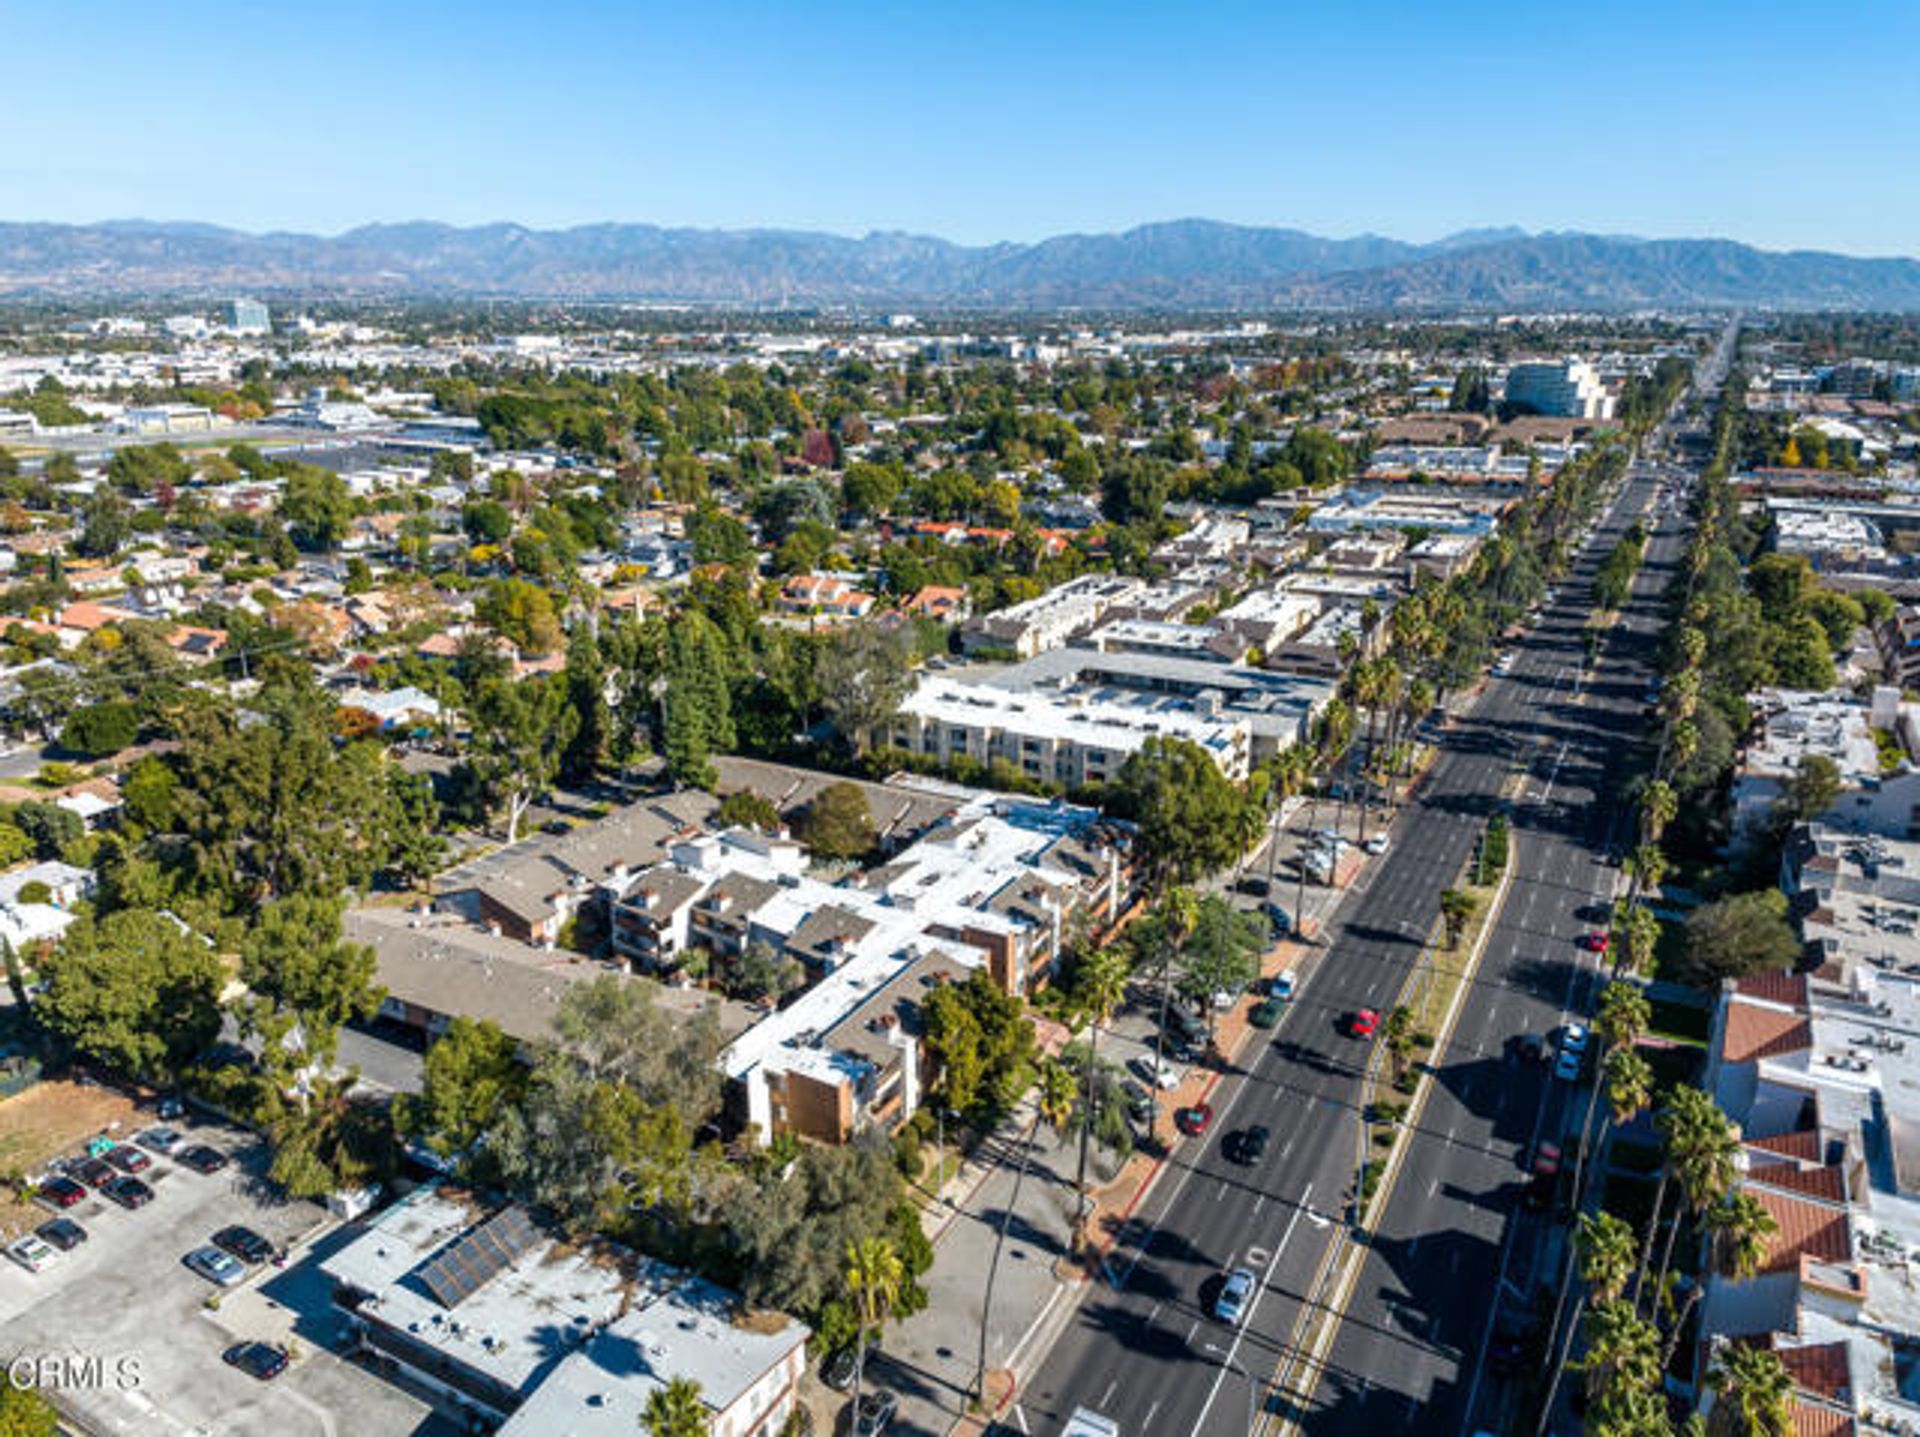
1146	1348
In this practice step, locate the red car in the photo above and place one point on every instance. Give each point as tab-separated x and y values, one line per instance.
129	1160
1195	1120
1364	1023
60	1192
93	1172
1594	942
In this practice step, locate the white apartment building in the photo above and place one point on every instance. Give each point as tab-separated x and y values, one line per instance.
1050	620
1070	738
1567	388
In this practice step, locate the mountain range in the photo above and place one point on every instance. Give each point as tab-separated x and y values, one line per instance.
1178	264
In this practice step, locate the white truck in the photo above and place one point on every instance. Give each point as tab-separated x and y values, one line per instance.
1085	1422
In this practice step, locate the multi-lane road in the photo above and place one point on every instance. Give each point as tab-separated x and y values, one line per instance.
1144	1347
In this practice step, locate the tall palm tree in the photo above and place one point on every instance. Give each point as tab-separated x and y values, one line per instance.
675	1410
1701	1150
1604	1246
1178	913
874	1276
1647	868
1099	987
1636	935
1053	1105
1739	1236
1658	806
1753	1393
1623	1350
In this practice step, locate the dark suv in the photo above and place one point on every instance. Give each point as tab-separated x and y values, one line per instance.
244	1243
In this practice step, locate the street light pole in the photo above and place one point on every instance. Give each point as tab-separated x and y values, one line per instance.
1227	1361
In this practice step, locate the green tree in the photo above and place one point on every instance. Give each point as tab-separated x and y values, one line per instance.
1220	953
1752	1391
1099	988
864	674
1184	808
676	1410
1740	934
586	686
472	1071
134	991
1457	907
317	507
699	708
101	729
838	823
25	1413
106	526
746	809
330	1139
520	733
307	981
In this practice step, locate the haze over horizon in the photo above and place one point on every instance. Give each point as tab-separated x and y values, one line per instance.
850	118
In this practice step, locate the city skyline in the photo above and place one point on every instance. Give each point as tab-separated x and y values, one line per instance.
1002	125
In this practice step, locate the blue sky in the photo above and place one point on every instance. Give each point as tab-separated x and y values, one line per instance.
1783	125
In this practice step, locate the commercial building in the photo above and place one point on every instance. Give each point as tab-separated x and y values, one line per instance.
1363	510
248	316
535	1336
1793	726
1567	388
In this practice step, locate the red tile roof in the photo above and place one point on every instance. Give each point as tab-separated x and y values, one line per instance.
1828	1183
1806	1229
1804	1145
1813	1421
1775	987
1754	1032
1819	1368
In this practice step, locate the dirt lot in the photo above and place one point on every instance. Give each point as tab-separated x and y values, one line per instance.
49	1119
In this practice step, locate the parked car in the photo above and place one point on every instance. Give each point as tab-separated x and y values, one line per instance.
1224	999
61	1232
244	1243
1279	921
1194	1121
1545	1170
875	1413
1236	1294
1253	885
1281	985
169	1108
262	1360
129	1159
1567	1066
33	1253
1364	1023
1138	1100
60	1191
201	1158
1186	1026
1247	1148
1162	1075
216	1266
1595	942
837	1371
1379	843
94	1172
1574	1038
160	1140
1266	1013
129	1192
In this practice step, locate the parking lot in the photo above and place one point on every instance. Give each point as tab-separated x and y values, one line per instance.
124	1298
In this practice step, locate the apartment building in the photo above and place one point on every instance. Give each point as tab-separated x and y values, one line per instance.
1050	620
1567	388
1793	726
1070	738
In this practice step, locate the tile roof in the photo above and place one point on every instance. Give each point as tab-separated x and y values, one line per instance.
1754	1032
1804	1145
1788	988
1810	1420
1826	1183
1819	1368
1806	1229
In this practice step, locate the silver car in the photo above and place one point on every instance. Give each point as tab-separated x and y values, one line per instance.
216	1266
1236	1295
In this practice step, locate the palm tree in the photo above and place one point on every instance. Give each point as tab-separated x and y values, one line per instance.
1739	1236
1178	913
1457	907
1647	867
1603	1245
1100	986
1702	1147
1637	935
873	1276
1658	806
676	1410
1753	1393
1623	1350
1053	1105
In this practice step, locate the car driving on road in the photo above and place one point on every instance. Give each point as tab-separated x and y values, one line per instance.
1236	1293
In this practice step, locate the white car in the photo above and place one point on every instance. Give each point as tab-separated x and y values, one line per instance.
1573	1038
1235	1294
161	1140
1378	844
32	1253
1161	1074
1224	999
1280	985
220	1268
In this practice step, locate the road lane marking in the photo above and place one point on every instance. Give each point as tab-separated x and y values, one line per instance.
1253	1307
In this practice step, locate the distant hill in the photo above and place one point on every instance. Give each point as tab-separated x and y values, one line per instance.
1182	263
